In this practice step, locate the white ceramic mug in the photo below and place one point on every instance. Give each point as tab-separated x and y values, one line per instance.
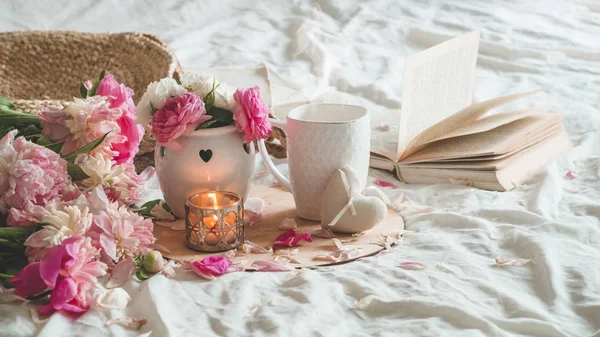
321	138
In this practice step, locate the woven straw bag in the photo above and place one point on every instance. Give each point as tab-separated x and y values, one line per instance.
45	67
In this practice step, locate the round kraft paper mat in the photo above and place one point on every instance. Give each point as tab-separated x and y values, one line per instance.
279	204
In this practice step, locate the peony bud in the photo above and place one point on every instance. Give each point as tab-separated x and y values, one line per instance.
153	261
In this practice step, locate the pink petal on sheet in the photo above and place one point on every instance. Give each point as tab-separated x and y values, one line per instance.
249	247
323	233
383	127
128	322
121	273
384	183
256	218
411	265
289	238
169	269
503	261
270	265
287	223
339	256
570	174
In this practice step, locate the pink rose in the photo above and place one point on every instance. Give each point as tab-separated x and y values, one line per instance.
251	116
178	117
119	97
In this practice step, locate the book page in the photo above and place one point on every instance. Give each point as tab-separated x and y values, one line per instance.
466	116
437	82
501	140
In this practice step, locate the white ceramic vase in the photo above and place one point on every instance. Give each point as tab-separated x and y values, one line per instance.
211	159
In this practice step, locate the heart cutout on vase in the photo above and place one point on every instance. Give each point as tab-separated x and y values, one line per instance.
347	207
205	155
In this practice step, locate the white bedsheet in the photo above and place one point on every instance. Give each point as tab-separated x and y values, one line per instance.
357	47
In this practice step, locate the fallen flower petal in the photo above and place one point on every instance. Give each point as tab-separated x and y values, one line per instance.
129	322
365	302
287	258
159	212
270	265
323	233
211	267
339	256
249	247
384	183
570	174
289	238
411	265
383	127
502	261
256	218
230	254
255	205
116	298
287	223
121	273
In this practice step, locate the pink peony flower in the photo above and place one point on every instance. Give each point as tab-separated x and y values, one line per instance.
53	124
178	117
119	97
31	176
70	270
289	238
251	116
116	230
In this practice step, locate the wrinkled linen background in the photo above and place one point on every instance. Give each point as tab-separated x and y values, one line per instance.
358	47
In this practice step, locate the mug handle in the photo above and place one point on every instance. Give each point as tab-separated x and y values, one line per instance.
267	160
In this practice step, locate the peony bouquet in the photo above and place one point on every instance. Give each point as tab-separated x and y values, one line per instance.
200	102
67	193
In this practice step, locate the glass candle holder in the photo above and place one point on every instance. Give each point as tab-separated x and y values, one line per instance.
214	221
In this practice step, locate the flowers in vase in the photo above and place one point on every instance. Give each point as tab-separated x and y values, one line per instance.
200	102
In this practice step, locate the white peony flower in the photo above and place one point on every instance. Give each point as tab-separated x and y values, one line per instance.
69	219
202	84
100	171
155	96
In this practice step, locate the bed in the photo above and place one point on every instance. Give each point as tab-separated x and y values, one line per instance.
356	48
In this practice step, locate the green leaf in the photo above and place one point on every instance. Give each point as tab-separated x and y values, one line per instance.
222	115
30	130
4	132
207	124
16	119
6	102
83	90
75	172
85	149
141	275
16	234
147	207
153	109
209	98
92	92
56	148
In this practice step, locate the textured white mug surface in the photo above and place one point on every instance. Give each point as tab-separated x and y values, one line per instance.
321	138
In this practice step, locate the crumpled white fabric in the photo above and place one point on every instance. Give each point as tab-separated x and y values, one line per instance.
361	45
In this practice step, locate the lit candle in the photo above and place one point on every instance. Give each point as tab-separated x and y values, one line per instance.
220	227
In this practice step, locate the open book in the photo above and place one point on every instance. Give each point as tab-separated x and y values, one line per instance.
443	138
